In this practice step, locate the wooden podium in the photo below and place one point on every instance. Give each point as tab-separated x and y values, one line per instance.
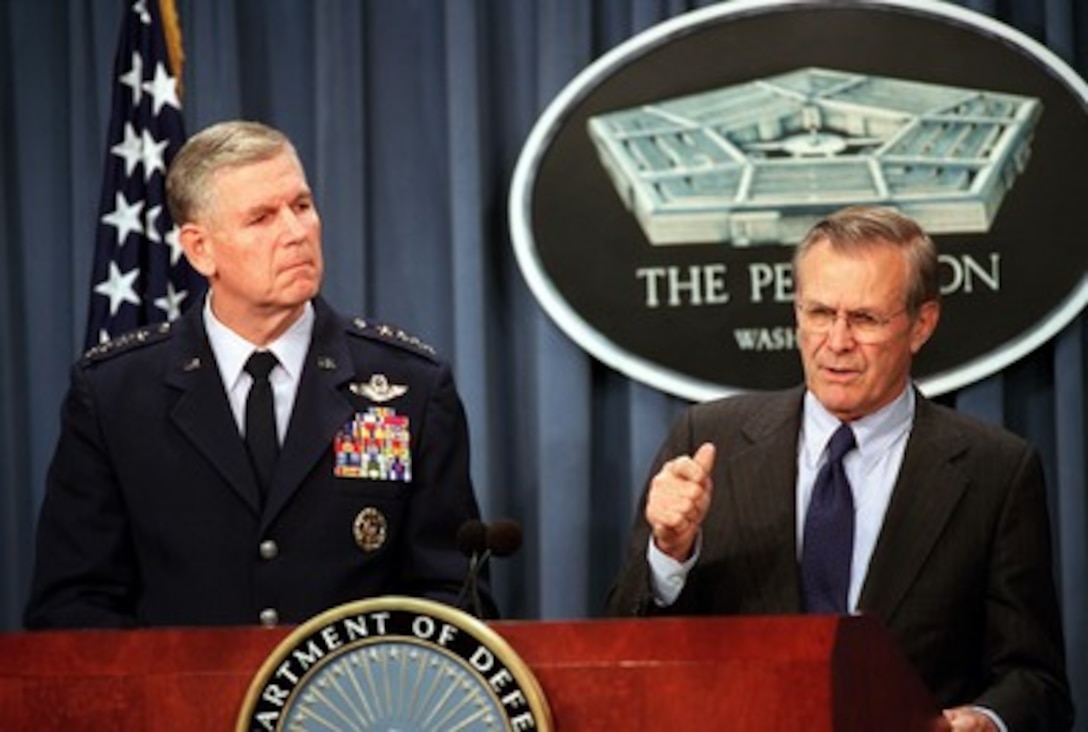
776	673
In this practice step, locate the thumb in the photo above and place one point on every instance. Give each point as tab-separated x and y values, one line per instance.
704	456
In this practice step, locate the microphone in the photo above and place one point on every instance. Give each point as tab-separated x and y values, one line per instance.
504	537
479	542
472	537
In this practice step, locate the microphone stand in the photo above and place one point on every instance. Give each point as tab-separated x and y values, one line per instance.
471	586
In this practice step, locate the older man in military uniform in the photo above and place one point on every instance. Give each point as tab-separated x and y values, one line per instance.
179	495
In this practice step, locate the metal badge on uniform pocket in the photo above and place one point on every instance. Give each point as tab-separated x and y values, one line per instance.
374	445
370	529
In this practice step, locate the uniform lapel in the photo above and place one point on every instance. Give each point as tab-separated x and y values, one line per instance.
925	495
320	409
202	411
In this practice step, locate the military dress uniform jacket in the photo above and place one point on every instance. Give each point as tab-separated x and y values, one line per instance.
961	574
152	514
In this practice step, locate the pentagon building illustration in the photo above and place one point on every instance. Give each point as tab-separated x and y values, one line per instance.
760	162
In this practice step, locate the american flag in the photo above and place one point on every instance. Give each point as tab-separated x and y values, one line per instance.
140	275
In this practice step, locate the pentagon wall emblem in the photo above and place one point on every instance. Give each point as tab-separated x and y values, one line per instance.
761	162
657	201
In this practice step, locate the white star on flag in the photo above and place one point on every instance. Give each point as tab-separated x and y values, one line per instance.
125	217
118	287
140	8
173	240
134	78
130	149
151	230
163	88
153	152
171	302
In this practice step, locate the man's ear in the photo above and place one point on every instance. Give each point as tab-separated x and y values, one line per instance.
198	248
924	324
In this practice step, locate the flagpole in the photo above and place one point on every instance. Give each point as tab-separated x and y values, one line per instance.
175	48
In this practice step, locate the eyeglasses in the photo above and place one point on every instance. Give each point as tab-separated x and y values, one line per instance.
864	326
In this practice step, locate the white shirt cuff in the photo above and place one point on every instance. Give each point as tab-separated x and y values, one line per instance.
993	717
667	576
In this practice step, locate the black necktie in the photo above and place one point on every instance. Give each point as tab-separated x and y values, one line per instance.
264	448
828	540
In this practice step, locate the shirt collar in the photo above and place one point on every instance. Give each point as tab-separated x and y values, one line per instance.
874	433
232	350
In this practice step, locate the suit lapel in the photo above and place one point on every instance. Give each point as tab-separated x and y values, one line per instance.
202	411
764	479
925	495
320	409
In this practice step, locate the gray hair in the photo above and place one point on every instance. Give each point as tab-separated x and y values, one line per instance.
860	227
223	145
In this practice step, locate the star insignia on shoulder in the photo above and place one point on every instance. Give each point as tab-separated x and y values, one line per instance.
126	341
390	334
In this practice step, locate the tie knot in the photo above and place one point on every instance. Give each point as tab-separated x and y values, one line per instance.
260	364
841	442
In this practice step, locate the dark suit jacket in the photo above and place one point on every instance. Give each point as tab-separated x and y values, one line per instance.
961	574
152	516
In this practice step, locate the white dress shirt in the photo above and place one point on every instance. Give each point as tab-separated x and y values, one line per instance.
231	352
872	470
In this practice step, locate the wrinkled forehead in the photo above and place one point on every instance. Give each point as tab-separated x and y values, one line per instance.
852	275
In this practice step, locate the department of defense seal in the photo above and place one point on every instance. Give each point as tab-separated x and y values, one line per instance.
394	663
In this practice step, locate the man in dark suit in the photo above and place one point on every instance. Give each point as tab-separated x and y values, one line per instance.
933	522
157	509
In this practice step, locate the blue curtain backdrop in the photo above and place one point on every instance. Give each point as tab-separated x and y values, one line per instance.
409	115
